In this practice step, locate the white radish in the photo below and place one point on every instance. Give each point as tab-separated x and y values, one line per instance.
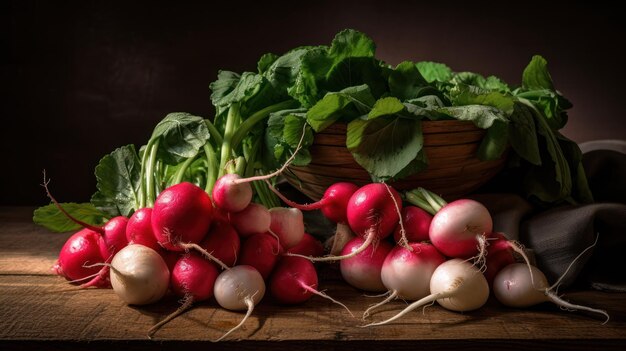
139	275
521	285
456	285
239	288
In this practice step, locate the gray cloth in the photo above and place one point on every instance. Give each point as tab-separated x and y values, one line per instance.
557	236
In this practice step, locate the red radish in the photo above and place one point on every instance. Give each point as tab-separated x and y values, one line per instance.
456	285
254	219
458	228
192	278
333	203
139	275
308	246
260	251
407	273
78	257
373	212
517	286
232	193
294	281
362	270
114	236
139	229
288	225
222	242
416	223
182	214
239	288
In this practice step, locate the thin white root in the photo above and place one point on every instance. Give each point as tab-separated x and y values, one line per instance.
404	242
480	260
277	241
250	303
419	303
187	302
319	293
369	239
573	307
518	248
389	298
558	282
205	253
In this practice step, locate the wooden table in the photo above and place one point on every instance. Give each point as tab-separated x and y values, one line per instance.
39	310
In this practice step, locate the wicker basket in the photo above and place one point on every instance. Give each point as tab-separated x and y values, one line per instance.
450	146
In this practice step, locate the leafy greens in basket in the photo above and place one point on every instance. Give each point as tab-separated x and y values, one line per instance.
260	117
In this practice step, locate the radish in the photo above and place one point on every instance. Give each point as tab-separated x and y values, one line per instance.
193	279
517	286
456	285
239	288
372	212
232	193
500	253
308	246
416	223
222	242
139	229
254	219
181	215
78	248
362	270
407	273
294	281
458	228
78	256
333	203
288	225
260	251
139	275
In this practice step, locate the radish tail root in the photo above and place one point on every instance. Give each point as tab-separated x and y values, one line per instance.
302	207
558	282
250	303
426	300
369	239
519	249
573	307
319	293
205	253
188	301
389	298
404	242
480	260
277	242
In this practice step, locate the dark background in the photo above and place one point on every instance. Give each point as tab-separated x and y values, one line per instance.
80	78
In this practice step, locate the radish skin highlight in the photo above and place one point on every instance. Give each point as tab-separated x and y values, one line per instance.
456	285
363	270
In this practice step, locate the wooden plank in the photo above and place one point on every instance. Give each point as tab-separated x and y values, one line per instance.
40	310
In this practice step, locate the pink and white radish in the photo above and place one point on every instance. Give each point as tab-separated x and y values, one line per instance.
294	281
139	275
239	288
363	269
407	273
456	285
520	285
254	219
288	225
500	253
333	203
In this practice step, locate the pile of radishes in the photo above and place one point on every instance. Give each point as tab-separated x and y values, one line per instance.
198	247
225	247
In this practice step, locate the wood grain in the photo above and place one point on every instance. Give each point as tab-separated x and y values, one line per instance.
41	311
